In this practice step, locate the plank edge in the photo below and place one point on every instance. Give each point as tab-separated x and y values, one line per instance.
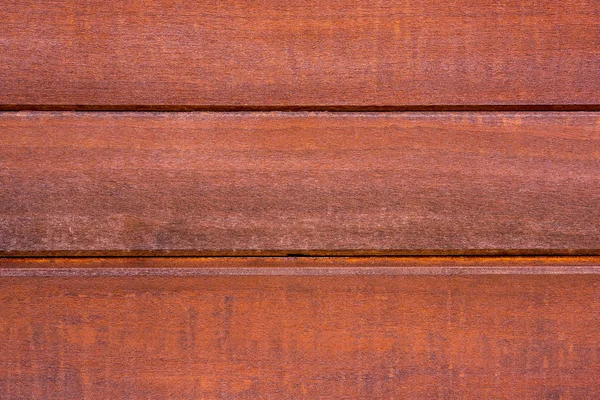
296	266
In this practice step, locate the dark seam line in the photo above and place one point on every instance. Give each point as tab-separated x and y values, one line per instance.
321	254
327	108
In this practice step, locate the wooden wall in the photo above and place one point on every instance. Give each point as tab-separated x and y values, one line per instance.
339	199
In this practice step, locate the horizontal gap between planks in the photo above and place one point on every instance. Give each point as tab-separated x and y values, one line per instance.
326	108
348	266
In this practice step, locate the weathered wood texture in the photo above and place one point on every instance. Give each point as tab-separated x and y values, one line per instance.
206	183
292	337
273	53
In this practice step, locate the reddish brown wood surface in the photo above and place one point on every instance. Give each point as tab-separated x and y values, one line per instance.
311	53
221	183
374	336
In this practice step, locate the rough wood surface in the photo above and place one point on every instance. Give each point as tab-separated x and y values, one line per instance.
292	337
306	52
221	183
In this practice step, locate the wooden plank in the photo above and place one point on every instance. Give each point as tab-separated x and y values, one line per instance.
300	53
290	336
310	183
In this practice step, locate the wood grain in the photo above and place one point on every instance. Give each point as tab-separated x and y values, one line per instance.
293	337
309	183
300	53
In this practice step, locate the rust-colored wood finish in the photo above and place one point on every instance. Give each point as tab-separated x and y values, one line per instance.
217	183
339	127
300	53
285	335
